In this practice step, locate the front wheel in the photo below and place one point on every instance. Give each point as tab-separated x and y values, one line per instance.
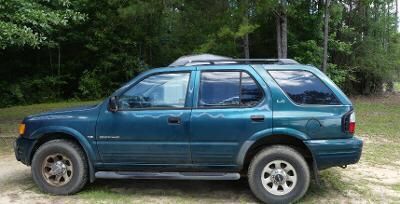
59	167
279	174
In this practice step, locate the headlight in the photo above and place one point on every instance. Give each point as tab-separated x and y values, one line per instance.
21	128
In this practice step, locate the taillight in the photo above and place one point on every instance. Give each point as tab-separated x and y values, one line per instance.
352	123
349	122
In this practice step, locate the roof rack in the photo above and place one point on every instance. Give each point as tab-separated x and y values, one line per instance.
207	59
240	61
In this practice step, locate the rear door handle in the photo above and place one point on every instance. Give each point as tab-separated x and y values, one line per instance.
257	118
174	120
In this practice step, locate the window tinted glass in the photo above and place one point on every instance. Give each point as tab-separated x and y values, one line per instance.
163	90
304	87
228	89
251	93
219	89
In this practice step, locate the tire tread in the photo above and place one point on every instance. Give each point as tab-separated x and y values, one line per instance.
75	147
274	149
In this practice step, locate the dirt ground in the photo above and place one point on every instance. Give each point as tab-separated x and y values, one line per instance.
17	186
363	183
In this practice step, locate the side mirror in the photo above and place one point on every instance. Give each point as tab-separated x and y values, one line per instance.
113	104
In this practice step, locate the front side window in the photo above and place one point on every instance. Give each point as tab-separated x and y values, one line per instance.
157	91
228	88
304	87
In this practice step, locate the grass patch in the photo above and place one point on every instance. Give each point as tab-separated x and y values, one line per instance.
5	146
12	116
330	181
378	119
397	86
332	188
383	153
396	187
378	125
103	196
168	191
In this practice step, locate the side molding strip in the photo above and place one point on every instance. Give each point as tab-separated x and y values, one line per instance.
167	175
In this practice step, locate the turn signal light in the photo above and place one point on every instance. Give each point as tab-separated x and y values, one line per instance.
21	129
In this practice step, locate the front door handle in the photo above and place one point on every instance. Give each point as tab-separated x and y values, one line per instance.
174	120
257	118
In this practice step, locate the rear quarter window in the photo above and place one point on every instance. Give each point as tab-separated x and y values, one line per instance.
304	87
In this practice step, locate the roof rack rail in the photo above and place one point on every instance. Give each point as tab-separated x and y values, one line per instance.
207	59
241	61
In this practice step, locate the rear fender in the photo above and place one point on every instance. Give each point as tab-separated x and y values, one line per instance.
261	135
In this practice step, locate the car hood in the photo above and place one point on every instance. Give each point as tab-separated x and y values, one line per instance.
63	112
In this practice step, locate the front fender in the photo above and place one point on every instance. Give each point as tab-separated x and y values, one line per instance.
263	134
87	147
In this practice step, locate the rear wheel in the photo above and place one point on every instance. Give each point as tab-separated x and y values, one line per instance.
279	174
60	167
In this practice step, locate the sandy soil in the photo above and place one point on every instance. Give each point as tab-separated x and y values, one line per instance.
378	180
16	184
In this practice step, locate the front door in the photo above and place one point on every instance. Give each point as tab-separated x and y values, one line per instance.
151	125
230	107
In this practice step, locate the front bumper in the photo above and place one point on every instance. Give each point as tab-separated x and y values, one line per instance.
22	149
335	152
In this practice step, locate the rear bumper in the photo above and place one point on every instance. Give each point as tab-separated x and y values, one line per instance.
22	149
335	152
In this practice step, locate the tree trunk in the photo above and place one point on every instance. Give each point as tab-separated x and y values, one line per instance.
390	86
281	30
278	36
59	70
59	61
397	15
284	35
326	36
390	83
51	61
246	46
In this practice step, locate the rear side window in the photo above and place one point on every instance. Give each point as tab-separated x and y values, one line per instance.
228	88
251	93
304	87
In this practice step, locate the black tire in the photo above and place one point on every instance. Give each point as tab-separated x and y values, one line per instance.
76	156
281	153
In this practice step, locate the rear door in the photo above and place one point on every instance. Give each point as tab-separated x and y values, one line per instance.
230	105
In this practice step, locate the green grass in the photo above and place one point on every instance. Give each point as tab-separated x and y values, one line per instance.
378	119
396	187
5	146
162	191
11	117
104	196
397	86
386	153
378	125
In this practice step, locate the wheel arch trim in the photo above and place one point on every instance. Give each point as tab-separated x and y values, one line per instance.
266	134
72	134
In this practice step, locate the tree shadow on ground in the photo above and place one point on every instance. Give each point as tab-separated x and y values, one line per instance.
187	190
